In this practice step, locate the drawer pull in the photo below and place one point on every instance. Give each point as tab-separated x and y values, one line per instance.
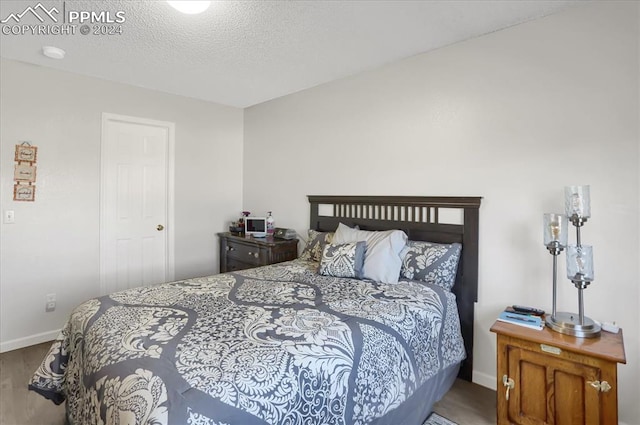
603	386
550	349
509	383
230	248
255	254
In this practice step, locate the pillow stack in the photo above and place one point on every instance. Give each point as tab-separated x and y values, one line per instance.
382	260
382	256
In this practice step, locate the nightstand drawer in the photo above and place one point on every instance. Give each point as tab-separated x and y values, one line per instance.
235	265
251	254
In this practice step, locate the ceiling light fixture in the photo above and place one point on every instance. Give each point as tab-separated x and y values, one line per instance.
53	52
190	7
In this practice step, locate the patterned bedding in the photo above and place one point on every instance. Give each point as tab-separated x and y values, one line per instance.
279	344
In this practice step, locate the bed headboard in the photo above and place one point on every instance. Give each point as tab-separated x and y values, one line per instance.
419	217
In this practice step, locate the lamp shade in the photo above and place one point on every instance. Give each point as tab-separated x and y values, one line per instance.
577	202
580	262
555	229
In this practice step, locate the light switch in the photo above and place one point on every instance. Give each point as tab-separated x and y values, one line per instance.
9	217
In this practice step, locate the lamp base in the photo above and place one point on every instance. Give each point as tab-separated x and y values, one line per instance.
569	324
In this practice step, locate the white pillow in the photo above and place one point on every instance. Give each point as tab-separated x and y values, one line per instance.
382	261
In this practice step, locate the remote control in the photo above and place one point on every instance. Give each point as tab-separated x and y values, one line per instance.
528	310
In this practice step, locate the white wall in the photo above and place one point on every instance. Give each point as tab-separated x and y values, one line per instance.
54	244
512	116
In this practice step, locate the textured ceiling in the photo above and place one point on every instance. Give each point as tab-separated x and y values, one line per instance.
241	53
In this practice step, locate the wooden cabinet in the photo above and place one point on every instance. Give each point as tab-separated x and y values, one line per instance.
240	252
545	377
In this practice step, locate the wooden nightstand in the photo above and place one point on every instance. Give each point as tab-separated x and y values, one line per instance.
240	252
555	378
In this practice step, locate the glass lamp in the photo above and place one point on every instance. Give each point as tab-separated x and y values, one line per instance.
580	263
577	204
555	230
555	237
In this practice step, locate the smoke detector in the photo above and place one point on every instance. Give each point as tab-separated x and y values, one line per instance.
53	52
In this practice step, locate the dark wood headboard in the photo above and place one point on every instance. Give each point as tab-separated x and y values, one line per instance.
419	218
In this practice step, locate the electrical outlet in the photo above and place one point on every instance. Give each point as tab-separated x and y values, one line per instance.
50	304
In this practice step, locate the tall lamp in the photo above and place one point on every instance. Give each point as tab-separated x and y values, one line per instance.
579	261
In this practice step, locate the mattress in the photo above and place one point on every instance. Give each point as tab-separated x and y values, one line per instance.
279	344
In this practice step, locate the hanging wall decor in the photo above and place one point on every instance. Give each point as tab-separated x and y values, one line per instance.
24	172
26	153
24	192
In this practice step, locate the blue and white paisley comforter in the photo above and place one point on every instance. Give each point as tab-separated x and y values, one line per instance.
276	345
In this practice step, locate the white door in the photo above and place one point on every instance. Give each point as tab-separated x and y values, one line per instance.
136	219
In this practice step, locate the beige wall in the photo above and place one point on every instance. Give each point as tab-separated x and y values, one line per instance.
512	116
53	247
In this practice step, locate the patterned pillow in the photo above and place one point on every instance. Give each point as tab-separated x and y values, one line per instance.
431	262
315	244
344	260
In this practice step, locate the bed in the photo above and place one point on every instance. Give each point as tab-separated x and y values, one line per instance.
291	343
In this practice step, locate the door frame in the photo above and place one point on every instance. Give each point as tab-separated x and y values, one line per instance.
170	167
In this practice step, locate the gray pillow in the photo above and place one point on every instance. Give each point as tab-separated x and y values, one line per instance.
344	260
315	244
431	262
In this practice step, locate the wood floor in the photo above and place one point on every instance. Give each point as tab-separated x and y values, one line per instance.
466	403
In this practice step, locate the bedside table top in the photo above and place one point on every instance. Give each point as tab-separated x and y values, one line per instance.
268	241
607	345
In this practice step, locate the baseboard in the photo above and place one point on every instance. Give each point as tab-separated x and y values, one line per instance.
27	341
488	381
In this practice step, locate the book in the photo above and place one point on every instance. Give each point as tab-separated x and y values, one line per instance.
526	320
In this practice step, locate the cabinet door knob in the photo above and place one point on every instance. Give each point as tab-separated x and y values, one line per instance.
509	383
160	227
603	386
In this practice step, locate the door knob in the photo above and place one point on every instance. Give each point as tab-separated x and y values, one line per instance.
160	227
